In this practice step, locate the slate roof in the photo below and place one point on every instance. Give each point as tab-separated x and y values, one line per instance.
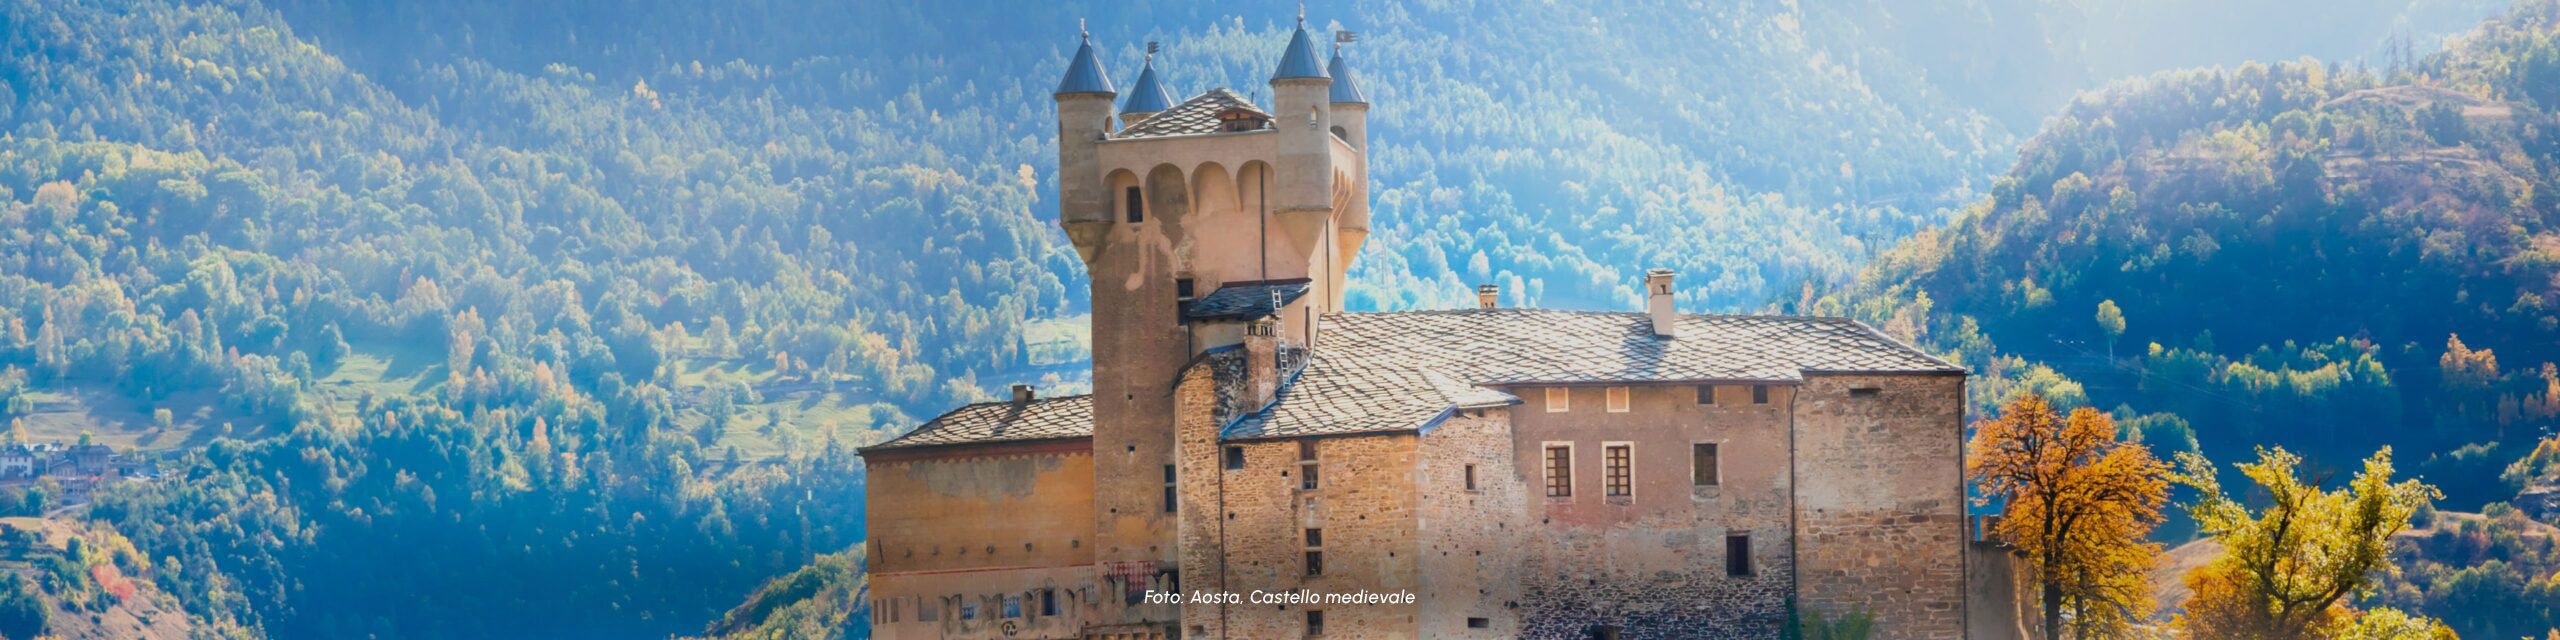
1148	94
985	422
1196	115
1346	86
1299	60
1406	370
1084	74
1247	300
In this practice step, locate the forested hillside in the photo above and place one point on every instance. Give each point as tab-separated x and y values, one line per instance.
2311	255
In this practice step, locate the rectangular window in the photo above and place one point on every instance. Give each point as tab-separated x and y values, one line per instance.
1048	602
1136	206
1169	502
1307	477
1315	623
1759	394
1315	538
1235	457
1183	288
1471	477
1702	465
1559	471
1168	474
1479	623
1618	479
1617	399
968	610
1706	394
1013	606
1559	399
1864	392
928	613
1315	563
1737	555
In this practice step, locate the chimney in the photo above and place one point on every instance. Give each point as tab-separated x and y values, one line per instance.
1261	362
1488	296
1657	302
1021	393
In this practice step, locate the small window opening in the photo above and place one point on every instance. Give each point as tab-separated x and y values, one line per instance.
1759	394
1617	399
1471	477
1706	394
1479	623
1702	465
1315	623
1235	457
1864	392
1048	602
1169	501
1559	399
1134	205
1315	563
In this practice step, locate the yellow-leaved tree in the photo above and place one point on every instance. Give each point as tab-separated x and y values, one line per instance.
2285	572
2079	504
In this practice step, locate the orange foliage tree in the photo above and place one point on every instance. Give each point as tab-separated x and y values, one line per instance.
2079	505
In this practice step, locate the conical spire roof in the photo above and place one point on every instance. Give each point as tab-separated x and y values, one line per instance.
1084	73
1148	95
1346	87
1299	61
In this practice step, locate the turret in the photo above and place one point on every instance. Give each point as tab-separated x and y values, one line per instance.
1147	96
1350	105
1084	119
1301	100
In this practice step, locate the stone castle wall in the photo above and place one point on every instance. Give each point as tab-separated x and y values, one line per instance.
1880	513
1470	575
975	527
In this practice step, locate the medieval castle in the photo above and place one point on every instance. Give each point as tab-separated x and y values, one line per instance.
1522	473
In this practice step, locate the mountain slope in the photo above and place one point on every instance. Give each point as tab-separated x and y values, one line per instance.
2318	257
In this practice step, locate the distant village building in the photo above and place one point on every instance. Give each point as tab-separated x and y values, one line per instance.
19	461
91	459
1526	473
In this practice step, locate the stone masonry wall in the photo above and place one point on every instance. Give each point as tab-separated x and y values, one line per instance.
1879	509
976	528
1470	571
1244	530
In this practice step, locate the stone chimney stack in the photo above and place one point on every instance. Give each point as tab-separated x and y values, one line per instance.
1488	296
1657	302
1261	362
1022	393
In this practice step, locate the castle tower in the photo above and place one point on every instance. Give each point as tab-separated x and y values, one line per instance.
1198	222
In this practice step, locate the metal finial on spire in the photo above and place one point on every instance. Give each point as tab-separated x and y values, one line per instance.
1081	33
1302	14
